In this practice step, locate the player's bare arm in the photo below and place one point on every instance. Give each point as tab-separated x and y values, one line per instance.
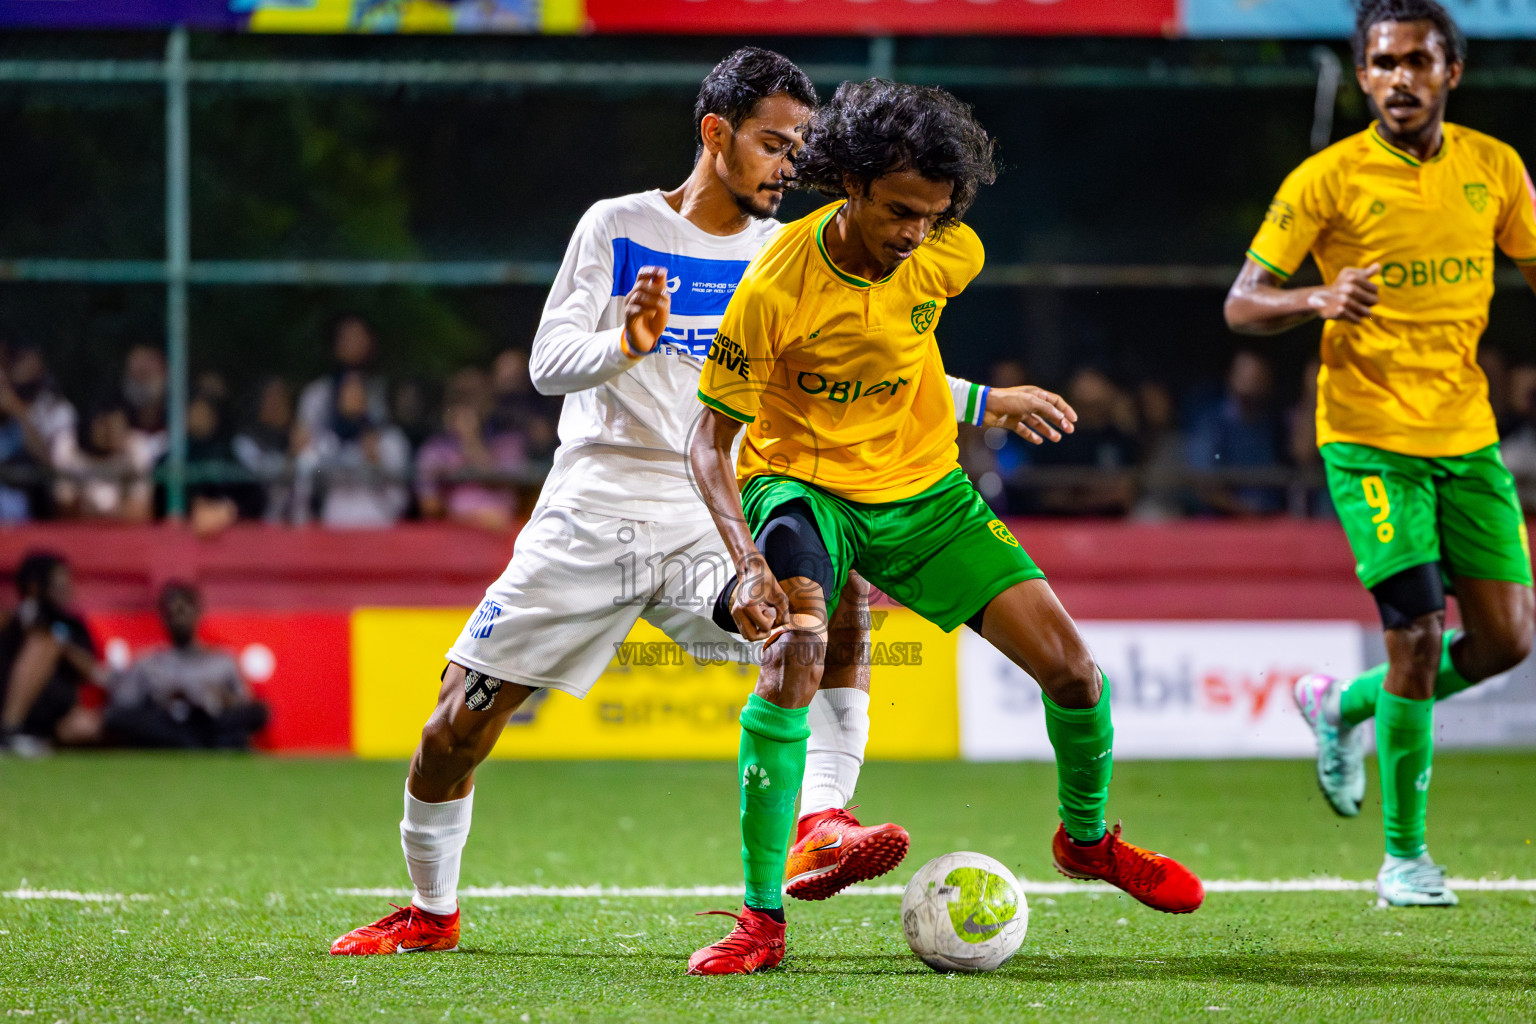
759	604
1035	414
1259	302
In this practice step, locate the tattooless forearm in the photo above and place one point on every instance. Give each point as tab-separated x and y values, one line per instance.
715	472
1258	303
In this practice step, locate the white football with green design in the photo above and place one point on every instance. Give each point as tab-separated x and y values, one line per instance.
964	912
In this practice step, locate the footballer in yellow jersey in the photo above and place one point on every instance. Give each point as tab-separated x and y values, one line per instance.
1403	220
827	355
838	378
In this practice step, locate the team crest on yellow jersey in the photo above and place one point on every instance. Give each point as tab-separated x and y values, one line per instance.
1000	531
1477	194
923	314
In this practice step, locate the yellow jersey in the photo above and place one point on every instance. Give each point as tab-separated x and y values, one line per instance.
1407	379
840	378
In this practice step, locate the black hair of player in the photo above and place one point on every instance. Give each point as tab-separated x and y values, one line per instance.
1370	13
734	87
869	129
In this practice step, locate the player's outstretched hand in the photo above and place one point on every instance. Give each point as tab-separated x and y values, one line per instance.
759	604
1350	296
1033	413
646	308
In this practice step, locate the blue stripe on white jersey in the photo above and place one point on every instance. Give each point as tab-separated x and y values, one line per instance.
699	287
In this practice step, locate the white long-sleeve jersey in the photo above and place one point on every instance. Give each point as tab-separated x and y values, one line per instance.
626	422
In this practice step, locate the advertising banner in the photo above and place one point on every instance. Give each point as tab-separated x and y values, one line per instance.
904	17
301	15
1332	19
298	662
1179	689
656	700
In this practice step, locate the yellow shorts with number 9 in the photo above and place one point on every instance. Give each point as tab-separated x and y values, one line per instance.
1400	511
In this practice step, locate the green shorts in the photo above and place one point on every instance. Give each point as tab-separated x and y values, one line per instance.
941	553
1400	511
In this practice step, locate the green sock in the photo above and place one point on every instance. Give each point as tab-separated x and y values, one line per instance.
1084	740
1357	702
770	768
1405	746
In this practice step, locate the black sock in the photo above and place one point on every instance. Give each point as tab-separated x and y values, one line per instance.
777	913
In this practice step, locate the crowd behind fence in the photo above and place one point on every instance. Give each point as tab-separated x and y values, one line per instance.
351	449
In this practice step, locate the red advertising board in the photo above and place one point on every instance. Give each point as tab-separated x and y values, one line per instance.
878	17
300	663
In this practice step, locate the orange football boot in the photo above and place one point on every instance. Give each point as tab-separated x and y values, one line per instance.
408	930
1162	883
832	851
755	944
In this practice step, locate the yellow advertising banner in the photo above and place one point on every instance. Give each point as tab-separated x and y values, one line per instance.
656	701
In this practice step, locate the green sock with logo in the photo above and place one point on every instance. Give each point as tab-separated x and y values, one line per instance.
770	767
1405	745
1357	701
1084	740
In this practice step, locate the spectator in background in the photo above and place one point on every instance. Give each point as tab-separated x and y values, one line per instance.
1104	439
219	488
24	459
189	696
357	465
1162	454
354	347
517	408
468	446
104	469
1243	431
50	413
408	411
145	382
46	655
266	448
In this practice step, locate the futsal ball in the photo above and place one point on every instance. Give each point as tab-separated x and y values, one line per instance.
964	912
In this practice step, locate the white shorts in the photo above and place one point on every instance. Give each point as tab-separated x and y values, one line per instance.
576	585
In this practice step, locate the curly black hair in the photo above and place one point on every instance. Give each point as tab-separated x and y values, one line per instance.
869	129
1370	13
733	88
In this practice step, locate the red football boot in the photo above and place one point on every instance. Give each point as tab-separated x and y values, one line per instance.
755	944
1162	883
407	930
832	851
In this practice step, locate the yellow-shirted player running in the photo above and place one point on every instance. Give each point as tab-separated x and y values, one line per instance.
827	355
1402	220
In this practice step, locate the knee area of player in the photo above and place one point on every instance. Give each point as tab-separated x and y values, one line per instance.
1074	683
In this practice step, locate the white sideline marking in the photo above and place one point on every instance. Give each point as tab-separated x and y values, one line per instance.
502	892
72	895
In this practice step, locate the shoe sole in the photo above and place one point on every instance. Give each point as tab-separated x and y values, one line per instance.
394	952
1342	812
720	974
1382	903
1080	877
870	857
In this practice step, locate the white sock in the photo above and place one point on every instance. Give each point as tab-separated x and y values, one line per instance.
839	720
433	837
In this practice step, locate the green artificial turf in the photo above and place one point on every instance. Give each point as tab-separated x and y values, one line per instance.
238	858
